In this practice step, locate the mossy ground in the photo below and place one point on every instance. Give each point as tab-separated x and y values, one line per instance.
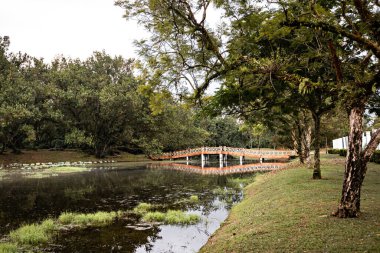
287	211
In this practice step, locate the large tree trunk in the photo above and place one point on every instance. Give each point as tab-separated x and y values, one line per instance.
301	137
297	144
317	143
306	144
356	165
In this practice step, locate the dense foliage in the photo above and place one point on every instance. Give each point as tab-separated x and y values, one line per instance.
96	105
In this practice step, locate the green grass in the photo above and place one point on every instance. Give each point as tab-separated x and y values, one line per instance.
36	234
92	219
287	211
143	208
33	234
239	182
8	248
179	217
172	217
154	217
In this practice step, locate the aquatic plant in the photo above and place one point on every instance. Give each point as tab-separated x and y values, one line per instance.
33	234
91	219
154	217
172	217
194	199
8	248
180	217
143	208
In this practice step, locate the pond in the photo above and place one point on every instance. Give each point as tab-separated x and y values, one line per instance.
28	200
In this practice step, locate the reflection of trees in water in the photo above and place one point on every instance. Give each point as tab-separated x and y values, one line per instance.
113	238
30	200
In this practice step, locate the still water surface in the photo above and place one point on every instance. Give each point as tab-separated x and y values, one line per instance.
24	201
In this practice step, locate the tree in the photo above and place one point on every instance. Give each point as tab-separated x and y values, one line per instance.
16	100
167	124
98	100
355	57
184	44
252	64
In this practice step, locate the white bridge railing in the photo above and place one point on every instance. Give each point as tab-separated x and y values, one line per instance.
225	150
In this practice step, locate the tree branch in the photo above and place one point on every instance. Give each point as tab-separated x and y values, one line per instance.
361	40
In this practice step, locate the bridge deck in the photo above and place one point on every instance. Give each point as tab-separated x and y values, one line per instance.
227	151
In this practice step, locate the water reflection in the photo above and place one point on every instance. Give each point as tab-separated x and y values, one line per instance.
25	200
210	168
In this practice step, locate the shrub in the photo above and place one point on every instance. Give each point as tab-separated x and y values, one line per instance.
343	152
333	151
376	157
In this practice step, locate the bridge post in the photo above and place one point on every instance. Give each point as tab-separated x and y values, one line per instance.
241	160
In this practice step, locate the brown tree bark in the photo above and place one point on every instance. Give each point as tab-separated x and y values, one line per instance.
306	145
317	142
297	142
356	165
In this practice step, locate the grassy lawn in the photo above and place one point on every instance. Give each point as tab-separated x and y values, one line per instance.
287	211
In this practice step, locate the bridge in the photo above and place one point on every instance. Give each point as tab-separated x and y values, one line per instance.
223	152
247	168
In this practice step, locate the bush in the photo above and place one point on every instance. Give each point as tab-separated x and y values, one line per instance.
376	157
333	151
343	152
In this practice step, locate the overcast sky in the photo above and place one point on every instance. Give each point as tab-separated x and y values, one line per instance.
75	28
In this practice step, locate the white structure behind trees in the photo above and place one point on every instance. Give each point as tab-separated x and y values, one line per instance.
342	143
